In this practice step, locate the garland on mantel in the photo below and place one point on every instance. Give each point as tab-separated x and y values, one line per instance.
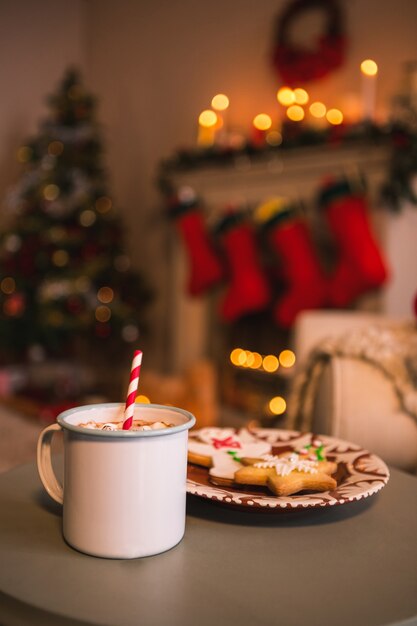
398	185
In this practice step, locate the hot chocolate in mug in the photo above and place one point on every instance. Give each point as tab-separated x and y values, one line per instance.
124	491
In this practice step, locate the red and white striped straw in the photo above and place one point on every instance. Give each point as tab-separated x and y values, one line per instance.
131	392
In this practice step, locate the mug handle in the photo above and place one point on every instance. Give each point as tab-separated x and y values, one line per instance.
46	472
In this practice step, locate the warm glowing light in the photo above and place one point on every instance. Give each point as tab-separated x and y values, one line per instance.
238	357
24	154
207	118
274	138
60	258
287	358
143	399
250	359
220	102
317	109
300	96
277	405
103	313
295	113
8	285
105	295
334	116
270	363
51	192
103	204
257	360
369	67
87	217
55	148
285	96
262	121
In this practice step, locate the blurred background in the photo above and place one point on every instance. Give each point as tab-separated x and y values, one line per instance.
139	211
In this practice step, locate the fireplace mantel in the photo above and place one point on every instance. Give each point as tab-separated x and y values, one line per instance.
296	174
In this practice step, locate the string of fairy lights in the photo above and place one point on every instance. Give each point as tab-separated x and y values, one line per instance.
297	106
268	363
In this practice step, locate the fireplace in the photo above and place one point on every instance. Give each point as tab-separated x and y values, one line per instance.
193	329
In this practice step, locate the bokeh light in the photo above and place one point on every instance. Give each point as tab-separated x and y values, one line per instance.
87	217
287	358
51	192
262	121
142	399
103	313
220	102
317	109
334	116
103	204
60	258
238	357
257	360
274	138
130	333
105	295
369	67
270	363
277	405
250	359
295	113
8	285
24	154
285	96
207	118
300	96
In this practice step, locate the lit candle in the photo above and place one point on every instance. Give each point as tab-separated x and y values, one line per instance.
369	71
261	124
207	123
318	112
220	103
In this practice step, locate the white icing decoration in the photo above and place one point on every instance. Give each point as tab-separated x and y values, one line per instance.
285	465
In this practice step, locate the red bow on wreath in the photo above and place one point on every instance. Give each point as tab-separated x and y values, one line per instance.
297	65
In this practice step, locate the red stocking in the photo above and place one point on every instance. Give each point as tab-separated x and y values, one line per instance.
360	266
306	286
248	290
205	269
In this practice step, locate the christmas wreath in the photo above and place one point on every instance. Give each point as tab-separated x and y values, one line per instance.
297	64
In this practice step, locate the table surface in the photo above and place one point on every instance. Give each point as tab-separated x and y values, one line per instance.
344	565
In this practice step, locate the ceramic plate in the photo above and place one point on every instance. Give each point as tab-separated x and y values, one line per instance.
360	474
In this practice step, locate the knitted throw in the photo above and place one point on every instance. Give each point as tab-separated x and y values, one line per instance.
392	348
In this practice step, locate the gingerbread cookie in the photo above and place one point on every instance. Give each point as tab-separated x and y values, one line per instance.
221	449
288	473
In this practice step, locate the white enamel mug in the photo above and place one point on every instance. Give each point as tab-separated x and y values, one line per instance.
124	491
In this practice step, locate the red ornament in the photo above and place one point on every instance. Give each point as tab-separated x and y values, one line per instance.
296	64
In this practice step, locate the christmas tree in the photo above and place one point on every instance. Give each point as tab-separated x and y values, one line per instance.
65	280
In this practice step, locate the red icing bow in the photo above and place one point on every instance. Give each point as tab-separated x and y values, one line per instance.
228	442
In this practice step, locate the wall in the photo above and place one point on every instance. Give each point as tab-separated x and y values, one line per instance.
38	40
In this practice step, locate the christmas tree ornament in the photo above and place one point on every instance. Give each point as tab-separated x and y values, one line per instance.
248	289
204	266
305	282
360	265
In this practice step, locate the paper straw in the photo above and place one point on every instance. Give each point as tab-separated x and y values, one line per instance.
131	392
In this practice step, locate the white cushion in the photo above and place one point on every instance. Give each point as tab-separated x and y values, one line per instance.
357	402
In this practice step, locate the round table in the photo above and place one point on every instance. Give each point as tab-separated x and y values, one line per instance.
350	564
